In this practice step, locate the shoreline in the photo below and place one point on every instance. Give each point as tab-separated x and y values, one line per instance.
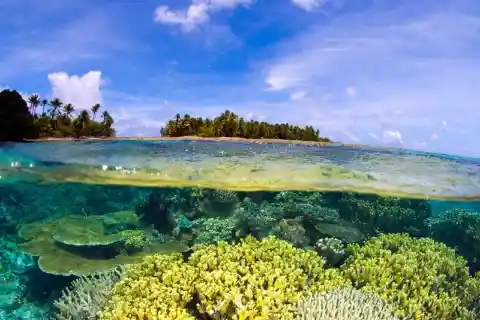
196	138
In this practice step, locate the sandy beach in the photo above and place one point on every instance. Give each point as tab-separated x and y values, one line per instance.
233	139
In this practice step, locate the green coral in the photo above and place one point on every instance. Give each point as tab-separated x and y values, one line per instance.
377	214
254	279
344	304
134	239
78	245
460	229
212	230
291	230
421	278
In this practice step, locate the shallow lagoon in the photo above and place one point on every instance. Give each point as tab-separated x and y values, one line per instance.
83	209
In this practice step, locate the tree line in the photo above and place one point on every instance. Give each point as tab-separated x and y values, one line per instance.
36	117
228	124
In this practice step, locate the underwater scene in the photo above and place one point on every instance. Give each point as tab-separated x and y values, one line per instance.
186	229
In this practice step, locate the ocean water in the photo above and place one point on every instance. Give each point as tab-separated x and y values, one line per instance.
231	230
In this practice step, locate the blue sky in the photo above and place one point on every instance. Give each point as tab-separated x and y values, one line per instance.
380	72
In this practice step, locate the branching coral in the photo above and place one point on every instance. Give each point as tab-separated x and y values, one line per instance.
255	279
87	296
343	304
212	230
384	214
421	278
134	239
292	231
460	229
255	219
258	279
157	288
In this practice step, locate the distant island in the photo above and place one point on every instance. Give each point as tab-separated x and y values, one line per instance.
37	118
230	125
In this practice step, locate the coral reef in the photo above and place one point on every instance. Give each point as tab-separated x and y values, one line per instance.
331	249
134	240
14	268
87	296
459	229
78	245
343	304
212	230
254	279
421	278
375	214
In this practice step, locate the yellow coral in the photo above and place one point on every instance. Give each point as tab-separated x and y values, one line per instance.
134	239
158	288
251	280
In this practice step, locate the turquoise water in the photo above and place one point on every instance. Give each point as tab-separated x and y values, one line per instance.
400	225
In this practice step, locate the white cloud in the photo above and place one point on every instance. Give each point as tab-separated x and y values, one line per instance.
196	14
88	37
189	19
308	5
298	95
413	72
351	92
81	91
392	137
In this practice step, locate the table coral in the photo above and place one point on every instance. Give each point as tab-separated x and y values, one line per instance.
78	245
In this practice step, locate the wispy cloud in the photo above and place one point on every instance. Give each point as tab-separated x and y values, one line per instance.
406	74
308	5
86	37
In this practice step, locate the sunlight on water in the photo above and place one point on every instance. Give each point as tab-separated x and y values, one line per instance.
245	166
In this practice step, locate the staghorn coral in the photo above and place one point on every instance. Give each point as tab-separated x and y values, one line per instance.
87	296
421	278
343	304
254	279
257	279
159	287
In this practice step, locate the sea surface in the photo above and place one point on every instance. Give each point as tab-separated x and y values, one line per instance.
72	211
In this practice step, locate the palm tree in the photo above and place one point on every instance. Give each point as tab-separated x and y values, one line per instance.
44	104
34	101
107	119
95	109
56	105
68	109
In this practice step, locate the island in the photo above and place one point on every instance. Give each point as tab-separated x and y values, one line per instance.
36	119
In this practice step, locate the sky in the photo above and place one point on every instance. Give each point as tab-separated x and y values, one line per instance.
379	72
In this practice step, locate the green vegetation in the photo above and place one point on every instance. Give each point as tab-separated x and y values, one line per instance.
20	119
228	124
